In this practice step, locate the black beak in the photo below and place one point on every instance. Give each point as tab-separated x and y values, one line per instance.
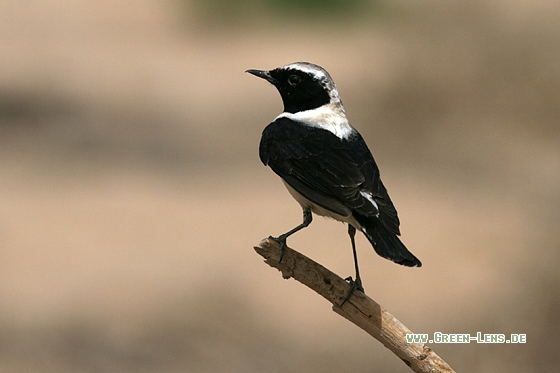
263	74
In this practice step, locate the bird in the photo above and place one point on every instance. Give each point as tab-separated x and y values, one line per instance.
326	165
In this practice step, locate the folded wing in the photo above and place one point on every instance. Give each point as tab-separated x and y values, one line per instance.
337	174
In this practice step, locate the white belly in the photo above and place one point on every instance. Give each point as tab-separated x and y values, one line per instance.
304	202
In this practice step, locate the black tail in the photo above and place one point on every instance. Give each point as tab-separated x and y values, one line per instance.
386	243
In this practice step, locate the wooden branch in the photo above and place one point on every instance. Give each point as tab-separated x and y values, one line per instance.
359	309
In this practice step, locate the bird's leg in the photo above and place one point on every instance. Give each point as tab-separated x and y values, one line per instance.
307	218
357	283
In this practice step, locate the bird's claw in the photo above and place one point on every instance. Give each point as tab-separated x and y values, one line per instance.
354	285
282	241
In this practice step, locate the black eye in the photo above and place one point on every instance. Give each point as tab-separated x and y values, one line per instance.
294	80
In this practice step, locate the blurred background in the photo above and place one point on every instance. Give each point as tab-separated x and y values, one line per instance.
131	193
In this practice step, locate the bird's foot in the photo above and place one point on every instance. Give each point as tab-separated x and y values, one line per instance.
282	241
354	285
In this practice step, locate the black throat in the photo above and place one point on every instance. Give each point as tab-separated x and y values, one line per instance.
306	100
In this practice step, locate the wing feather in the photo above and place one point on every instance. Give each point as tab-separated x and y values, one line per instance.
329	171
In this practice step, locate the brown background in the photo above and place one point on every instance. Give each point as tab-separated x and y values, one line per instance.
131	192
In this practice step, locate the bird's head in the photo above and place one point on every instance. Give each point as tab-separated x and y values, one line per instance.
302	85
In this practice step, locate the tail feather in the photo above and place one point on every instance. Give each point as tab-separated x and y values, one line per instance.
386	243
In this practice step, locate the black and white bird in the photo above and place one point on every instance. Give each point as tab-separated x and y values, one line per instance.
325	163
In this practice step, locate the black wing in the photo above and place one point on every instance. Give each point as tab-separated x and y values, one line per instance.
328	171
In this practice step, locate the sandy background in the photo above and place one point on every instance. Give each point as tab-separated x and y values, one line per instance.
131	193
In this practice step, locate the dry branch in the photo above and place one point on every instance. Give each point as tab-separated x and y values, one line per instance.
359	309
